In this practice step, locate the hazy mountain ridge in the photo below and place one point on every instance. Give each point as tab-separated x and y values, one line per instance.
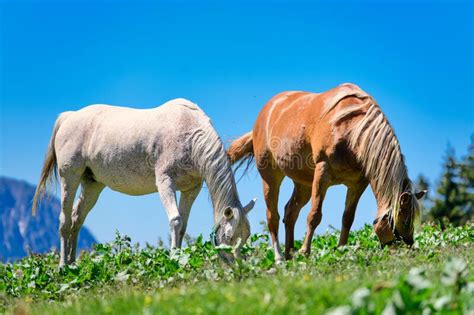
20	232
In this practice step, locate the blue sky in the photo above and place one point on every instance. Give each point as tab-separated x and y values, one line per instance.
415	58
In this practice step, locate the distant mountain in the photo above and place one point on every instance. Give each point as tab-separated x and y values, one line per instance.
20	232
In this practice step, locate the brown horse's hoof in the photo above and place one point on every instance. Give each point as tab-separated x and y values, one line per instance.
289	255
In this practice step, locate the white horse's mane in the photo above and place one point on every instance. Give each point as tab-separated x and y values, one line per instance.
209	154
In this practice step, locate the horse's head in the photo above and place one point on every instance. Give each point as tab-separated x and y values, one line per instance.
395	226
232	229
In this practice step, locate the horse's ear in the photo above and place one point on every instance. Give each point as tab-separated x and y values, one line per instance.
421	194
250	205
405	198
228	213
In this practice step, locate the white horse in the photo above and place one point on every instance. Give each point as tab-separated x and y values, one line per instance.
136	152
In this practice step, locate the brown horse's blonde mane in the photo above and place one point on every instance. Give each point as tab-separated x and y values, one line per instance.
377	148
341	92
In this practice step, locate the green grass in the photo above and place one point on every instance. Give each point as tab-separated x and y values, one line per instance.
436	276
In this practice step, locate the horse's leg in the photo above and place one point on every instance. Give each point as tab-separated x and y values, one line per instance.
167	190
352	199
320	186
299	198
271	189
69	183
90	191
186	200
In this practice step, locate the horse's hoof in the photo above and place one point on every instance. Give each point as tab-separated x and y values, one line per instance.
279	260
305	252
291	254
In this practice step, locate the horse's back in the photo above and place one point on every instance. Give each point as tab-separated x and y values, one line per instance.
175	105
291	113
110	139
295	127
109	119
182	102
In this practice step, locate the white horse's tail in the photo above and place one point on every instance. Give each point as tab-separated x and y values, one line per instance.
49	172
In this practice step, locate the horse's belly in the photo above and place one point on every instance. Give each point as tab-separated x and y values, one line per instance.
133	189
141	180
130	181
304	177
296	162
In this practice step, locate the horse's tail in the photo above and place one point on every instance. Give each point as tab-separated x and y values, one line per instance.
242	150
49	172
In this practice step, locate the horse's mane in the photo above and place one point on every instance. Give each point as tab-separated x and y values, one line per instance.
377	148
339	93
209	154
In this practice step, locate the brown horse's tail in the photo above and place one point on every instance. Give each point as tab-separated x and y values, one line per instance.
241	150
49	172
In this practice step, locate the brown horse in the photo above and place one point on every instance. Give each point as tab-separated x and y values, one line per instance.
318	140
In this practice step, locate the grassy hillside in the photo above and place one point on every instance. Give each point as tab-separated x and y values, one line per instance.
436	276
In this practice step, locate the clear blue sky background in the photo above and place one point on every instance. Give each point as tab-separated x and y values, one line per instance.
416	59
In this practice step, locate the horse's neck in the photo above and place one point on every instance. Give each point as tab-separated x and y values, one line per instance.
384	202
210	157
222	189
